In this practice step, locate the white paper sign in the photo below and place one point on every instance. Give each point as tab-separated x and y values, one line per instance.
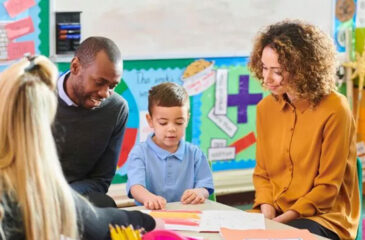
225	153
223	123
220	107
218	142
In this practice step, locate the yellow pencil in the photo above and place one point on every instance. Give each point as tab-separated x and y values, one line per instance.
121	233
124	233
134	232
113	233
128	231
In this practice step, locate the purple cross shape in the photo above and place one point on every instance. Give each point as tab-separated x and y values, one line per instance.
243	99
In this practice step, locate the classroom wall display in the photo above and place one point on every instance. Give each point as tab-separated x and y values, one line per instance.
223	98
68	29
159	29
344	18
21	28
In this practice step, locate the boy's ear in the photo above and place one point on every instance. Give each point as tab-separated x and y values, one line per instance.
149	120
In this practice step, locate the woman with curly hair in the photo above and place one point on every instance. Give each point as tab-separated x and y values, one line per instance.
305	174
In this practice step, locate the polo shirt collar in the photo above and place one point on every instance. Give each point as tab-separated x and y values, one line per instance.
61	90
162	153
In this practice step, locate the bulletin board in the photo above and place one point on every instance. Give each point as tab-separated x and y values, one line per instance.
23	29
159	29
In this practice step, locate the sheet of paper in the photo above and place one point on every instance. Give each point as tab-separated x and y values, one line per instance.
14	7
213	220
18	49
19	28
282	234
209	220
179	219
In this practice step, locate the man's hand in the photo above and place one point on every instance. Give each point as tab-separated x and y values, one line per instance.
268	211
194	196
155	203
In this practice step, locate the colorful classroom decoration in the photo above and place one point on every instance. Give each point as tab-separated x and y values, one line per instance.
345	17
22	29
223	98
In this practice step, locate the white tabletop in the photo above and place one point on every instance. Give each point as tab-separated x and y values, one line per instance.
210	205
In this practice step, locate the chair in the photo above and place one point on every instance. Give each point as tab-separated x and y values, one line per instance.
359	174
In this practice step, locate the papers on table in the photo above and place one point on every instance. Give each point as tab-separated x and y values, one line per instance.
278	234
209	220
213	220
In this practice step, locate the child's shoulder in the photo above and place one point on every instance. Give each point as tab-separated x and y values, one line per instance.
191	147
139	147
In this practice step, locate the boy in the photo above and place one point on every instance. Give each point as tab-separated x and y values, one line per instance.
165	168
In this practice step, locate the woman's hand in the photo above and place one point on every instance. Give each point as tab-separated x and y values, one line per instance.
287	216
268	211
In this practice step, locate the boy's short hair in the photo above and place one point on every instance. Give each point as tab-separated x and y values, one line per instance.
167	94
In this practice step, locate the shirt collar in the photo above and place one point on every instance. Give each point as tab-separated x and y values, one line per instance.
61	90
162	153
301	105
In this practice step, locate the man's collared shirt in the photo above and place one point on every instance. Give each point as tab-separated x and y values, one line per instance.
62	92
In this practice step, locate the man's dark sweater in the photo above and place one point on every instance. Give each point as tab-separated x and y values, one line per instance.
89	142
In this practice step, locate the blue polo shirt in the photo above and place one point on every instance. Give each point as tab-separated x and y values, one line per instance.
168	174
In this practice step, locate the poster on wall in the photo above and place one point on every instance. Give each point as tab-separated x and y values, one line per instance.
19	30
223	98
344	18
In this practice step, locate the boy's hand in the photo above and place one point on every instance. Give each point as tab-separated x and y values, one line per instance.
194	196
155	203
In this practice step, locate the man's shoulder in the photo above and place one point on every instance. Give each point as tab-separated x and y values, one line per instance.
116	100
115	104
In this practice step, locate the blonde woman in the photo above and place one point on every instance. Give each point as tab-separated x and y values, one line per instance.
36	202
305	173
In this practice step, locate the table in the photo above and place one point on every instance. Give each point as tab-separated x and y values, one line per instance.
211	205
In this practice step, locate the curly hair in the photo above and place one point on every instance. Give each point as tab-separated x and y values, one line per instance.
305	52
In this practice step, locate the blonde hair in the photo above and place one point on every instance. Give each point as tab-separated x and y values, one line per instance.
30	172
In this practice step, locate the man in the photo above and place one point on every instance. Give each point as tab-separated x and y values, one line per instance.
91	119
